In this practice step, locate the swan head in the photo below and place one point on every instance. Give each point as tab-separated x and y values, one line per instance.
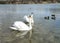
29	18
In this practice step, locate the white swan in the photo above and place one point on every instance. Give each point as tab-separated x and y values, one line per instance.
21	26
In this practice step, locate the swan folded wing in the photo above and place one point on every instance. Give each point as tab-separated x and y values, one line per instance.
21	26
26	18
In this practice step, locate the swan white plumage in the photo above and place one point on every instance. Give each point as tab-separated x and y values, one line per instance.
21	26
26	18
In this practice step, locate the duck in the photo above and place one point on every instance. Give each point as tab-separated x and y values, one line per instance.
46	17
53	17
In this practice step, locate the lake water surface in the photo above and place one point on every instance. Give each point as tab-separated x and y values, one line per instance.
44	30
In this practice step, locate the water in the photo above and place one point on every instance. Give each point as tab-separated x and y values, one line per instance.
44	30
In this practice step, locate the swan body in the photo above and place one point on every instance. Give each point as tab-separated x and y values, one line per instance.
21	26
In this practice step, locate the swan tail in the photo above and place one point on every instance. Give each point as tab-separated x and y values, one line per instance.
14	28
